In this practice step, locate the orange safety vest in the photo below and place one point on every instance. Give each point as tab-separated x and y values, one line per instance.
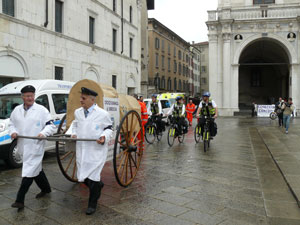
144	113
190	108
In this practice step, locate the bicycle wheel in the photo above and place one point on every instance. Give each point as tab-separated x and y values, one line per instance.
205	140
171	136
181	138
197	133
159	136
150	132
273	115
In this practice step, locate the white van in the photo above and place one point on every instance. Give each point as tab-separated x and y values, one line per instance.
165	105
53	94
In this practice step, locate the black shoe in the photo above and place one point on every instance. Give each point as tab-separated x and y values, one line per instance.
41	194
18	205
90	211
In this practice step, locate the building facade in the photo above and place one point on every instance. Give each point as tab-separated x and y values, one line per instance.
195	61
204	66
169	61
253	53
72	40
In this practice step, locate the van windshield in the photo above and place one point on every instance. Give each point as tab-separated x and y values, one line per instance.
8	103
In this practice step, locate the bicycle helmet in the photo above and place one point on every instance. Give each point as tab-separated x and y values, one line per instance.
154	95
206	94
178	98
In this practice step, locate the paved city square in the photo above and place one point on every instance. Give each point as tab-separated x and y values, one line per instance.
247	177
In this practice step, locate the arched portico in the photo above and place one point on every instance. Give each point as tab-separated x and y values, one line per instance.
263	69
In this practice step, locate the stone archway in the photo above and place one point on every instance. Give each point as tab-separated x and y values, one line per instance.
264	71
92	74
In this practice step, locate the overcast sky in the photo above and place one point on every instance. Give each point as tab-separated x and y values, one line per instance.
185	17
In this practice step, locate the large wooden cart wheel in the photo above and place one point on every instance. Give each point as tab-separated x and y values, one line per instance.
66	154
128	149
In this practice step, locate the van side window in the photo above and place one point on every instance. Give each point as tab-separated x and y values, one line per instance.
43	100
60	103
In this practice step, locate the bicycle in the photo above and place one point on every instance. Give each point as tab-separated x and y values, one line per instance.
206	136
173	132
273	115
151	131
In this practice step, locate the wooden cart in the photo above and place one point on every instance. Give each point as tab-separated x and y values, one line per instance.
126	147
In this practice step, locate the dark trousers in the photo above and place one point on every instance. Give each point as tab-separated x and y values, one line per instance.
41	181
95	191
181	124
280	119
202	122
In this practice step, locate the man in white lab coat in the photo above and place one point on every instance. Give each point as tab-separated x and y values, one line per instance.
31	119
91	122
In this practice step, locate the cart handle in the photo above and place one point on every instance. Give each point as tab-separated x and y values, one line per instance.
57	138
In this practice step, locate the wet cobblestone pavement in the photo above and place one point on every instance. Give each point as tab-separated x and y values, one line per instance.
242	179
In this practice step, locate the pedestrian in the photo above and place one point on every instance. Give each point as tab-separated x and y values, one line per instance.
94	123
278	110
288	109
31	119
253	109
190	108
144	116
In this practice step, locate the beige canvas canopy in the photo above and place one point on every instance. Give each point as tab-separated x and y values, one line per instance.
126	102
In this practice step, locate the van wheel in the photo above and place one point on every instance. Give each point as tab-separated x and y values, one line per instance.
14	160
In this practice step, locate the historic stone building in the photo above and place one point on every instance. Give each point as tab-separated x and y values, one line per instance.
253	52
204	66
169	67
195	62
72	40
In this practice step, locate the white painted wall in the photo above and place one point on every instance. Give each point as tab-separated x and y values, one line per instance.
41	48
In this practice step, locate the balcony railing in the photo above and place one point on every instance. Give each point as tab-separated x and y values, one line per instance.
261	12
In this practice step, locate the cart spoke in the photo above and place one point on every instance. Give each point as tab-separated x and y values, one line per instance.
139	141
66	170
133	161
124	168
122	159
130	165
65	155
131	126
74	169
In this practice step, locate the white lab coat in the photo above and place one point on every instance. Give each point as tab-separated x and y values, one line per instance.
34	123
91	156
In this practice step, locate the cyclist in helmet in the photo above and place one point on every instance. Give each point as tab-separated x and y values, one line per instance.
178	112
207	106
155	110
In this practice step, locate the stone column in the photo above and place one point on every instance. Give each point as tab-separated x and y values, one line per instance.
235	88
227	85
213	61
294	90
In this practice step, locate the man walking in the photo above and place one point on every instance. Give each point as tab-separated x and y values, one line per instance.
279	111
190	108
31	119
288	109
91	122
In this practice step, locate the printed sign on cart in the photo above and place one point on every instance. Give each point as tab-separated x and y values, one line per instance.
111	105
265	110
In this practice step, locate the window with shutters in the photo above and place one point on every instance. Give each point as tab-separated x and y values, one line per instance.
114	5
114	40
169	84
163	62
130	14
8	7
156	60
130	47
169	64
162	45
114	81
175	84
92	30
263	1
58	16
156	43
58	73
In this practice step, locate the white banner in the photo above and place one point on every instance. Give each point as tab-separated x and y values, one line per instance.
265	110
111	105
